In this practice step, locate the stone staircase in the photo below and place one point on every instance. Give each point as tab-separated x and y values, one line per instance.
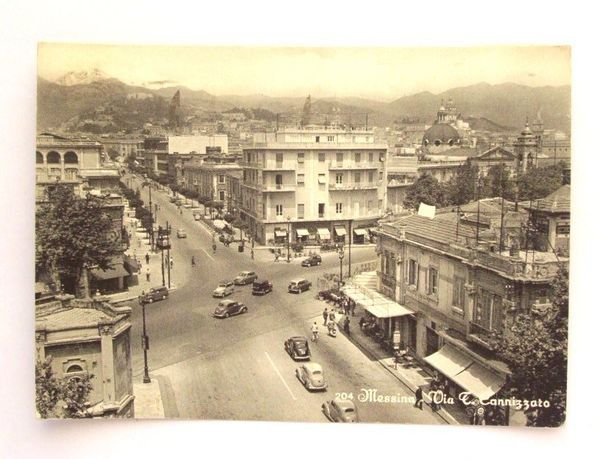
367	279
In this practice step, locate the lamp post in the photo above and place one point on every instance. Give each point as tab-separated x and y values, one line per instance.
288	239
163	243
341	256
145	341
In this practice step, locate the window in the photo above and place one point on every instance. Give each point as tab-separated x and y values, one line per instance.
278	181
221	196
357	177
317	138
300	211
380	175
321	157
338	207
339	178
413	273
369	205
221	179
370	176
321	179
357	157
330	138
301	157
300	179
371	157
458	293
432	281
321	210
279	159
488	310
339	158
279	210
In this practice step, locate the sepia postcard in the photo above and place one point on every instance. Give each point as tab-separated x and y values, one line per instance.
371	235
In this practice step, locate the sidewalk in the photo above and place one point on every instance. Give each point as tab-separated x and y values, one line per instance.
412	378
148	402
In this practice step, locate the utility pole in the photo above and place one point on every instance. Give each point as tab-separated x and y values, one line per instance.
169	254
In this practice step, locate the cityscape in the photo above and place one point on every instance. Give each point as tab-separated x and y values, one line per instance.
302	257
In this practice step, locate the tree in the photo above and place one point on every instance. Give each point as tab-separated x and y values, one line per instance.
70	394
497	183
72	235
535	349
539	182
461	188
426	189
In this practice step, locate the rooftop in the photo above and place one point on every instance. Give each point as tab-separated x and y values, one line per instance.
557	202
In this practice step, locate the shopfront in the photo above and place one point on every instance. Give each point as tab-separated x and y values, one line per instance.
340	234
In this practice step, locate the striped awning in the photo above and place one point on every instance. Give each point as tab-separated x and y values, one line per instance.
324	233
302	232
360	232
340	231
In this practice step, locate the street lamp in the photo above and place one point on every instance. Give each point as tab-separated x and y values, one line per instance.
145	341
163	243
288	239
341	256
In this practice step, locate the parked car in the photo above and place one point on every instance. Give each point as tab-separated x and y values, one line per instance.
228	308
181	233
313	260
245	277
197	217
155	294
311	376
297	348
298	286
225	288
261	287
338	410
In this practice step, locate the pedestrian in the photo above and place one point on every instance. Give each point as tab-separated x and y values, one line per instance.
147	274
352	306
276	257
332	315
347	325
346	307
315	332
325	315
147	258
419	398
172	262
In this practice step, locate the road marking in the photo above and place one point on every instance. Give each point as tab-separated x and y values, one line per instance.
207	254
279	374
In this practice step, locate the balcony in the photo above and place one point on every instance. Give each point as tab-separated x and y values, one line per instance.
251	164
283	187
353	186
333	165
478	334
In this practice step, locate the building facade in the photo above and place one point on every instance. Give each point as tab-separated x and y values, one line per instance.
89	337
208	178
313	184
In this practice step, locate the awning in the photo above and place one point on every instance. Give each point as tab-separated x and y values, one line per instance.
390	309
340	231
449	360
302	232
464	371
480	381
117	270
219	224
131	265
360	232
280	233
324	233
376	303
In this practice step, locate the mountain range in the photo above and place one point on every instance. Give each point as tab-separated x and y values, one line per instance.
505	106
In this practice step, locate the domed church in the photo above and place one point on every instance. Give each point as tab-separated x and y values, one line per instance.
443	135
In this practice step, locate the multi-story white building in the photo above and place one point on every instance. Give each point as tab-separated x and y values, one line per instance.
313	184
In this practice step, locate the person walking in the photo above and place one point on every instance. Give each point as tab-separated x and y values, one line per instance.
147	258
315	332
419	398
193	261
352	306
172	262
147	274
325	315
347	325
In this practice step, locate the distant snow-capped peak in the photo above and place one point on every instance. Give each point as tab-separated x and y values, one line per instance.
82	77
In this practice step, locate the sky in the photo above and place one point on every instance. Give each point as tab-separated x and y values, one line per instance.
378	73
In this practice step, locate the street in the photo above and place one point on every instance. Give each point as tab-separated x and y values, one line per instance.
236	368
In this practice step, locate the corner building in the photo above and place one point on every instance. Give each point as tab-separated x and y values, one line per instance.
313	185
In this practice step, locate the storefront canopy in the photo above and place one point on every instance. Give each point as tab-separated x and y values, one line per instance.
466	372
302	232
360	232
340	231
114	272
324	233
280	233
376	303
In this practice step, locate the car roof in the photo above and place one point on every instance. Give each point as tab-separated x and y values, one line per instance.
299	338
227	302
224	281
312	366
297	280
344	403
246	272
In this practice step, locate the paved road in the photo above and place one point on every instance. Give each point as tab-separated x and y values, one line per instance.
236	368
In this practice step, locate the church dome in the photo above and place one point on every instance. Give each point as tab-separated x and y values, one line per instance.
441	134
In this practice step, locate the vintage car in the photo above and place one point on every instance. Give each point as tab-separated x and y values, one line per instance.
261	287
313	260
181	233
155	294
297	348
311	376
228	308
338	410
298	286
225	288
245	277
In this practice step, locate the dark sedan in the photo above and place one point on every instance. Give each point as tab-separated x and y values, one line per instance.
313	260
297	348
228	308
